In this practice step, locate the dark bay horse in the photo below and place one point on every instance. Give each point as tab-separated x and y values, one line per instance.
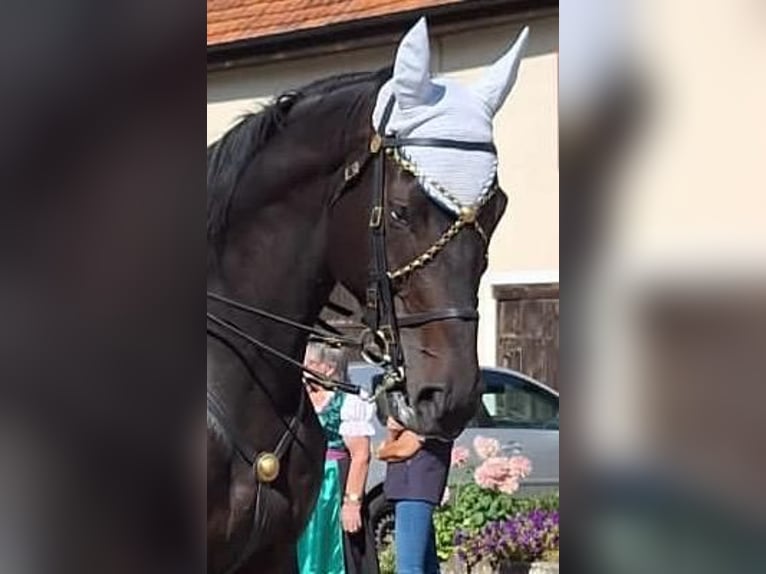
384	182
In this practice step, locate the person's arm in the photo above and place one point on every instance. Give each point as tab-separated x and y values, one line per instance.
405	445
356	429
351	511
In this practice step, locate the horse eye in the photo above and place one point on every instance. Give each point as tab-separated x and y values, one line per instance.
399	213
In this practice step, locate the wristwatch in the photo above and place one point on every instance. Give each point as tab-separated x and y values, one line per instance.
352	498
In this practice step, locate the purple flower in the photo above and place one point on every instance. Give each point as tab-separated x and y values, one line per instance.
525	536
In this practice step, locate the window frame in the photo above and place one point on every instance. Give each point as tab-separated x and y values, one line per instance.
484	419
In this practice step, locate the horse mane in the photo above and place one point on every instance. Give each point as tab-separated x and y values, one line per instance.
228	157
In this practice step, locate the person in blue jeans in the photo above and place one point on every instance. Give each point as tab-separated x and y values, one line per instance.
416	475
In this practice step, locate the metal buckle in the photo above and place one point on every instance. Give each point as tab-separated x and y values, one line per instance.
468	214
375	216
392	378
376	143
388	333
351	171
375	348
372	298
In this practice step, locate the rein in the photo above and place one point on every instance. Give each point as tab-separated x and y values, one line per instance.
317	334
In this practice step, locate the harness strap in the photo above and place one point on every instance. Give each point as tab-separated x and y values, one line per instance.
380	314
249	456
394	141
351	172
417	319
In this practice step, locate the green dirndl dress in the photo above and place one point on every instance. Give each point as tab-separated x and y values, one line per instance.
324	548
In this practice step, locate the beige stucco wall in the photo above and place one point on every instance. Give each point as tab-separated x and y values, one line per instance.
525	247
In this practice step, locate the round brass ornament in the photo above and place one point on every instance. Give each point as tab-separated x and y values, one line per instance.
266	467
468	214
375	143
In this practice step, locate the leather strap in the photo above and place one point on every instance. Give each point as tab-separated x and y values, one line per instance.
380	314
417	319
394	141
249	456
349	174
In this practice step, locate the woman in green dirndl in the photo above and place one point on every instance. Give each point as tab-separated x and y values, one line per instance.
336	540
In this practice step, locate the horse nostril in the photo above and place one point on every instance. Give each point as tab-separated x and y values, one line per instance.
428	352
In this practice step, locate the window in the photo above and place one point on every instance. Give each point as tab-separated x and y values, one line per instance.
512	402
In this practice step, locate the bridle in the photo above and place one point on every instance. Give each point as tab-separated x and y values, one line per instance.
380	342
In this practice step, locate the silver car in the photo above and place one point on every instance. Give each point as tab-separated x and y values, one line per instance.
521	413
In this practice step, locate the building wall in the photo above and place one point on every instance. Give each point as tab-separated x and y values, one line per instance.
525	246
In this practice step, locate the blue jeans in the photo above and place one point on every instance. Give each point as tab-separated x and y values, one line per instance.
415	538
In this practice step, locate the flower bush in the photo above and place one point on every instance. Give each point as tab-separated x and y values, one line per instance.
484	500
504	474
486	447
526	537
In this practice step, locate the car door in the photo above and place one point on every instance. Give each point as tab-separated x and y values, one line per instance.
524	418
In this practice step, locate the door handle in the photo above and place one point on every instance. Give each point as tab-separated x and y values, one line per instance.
514	446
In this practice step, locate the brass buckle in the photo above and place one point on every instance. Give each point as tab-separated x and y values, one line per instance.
468	214
375	216
376	143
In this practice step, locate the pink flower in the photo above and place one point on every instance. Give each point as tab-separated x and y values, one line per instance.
491	473
509	485
445	496
460	456
486	447
521	466
482	477
503	474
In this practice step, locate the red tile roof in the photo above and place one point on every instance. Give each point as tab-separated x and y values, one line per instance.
231	20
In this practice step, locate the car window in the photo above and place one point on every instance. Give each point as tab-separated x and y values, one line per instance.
512	402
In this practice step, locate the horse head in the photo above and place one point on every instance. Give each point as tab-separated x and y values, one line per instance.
435	205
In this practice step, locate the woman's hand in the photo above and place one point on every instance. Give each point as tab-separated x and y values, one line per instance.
402	448
394	429
351	517
393	425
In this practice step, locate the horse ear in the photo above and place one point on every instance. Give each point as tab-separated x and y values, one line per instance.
412	76
497	82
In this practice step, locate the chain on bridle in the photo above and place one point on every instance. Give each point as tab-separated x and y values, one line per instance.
467	217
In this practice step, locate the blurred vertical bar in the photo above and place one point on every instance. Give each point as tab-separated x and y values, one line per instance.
102	204
663	135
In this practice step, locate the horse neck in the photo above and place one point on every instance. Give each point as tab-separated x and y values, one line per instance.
278	261
276	251
276	276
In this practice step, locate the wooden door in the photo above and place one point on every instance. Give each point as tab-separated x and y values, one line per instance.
528	330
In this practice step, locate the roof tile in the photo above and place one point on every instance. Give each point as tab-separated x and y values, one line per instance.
231	20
